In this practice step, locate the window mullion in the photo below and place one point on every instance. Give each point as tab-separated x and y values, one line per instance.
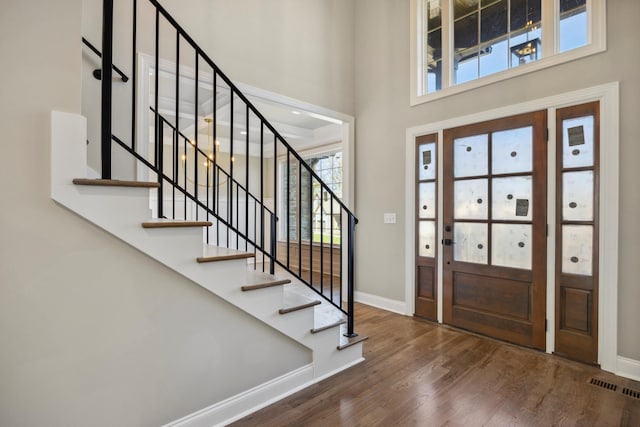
447	43
550	23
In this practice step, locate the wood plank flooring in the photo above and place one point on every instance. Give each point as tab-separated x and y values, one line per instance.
422	374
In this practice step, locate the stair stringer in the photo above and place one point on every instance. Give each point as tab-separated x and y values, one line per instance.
121	211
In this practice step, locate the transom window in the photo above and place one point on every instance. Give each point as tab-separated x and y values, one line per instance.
463	41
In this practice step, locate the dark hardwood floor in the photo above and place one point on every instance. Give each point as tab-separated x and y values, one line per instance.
422	374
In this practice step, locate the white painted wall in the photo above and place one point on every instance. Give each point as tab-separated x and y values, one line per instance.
383	114
93	332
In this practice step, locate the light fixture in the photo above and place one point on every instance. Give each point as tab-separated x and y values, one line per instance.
297	113
243	132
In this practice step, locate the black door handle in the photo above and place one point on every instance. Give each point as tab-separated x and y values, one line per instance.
447	242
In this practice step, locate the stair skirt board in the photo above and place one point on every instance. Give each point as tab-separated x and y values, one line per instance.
252	400
121	211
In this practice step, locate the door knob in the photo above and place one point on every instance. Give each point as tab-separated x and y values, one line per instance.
447	242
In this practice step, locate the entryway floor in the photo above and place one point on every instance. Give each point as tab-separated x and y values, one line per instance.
422	374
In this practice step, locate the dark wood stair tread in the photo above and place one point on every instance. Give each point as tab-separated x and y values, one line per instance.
225	257
114	183
348	342
291	309
329	326
264	285
170	223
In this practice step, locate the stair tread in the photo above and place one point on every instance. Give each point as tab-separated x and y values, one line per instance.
211	253
326	316
170	223
266	284
346	342
114	183
294	302
325	327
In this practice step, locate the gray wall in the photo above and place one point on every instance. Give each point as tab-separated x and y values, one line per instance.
92	331
299	48
383	114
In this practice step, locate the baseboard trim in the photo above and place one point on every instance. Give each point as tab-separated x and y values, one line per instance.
247	402
242	404
388	304
628	368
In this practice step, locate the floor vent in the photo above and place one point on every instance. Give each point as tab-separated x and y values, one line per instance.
631	392
603	384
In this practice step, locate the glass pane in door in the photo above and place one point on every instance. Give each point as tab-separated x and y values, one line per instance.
511	198
470	199
470	242
511	245
426	238
511	150
577	196
577	142
427	200
470	156
426	161
577	249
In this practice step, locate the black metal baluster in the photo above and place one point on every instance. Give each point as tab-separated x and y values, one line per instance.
255	230
272	268
262	248
321	243
186	163
310	229
174	150
107	76
159	133
350	271
246	202
299	215
217	203
331	247
134	72
195	141
237	231
214	116
160	167
288	195
341	244
275	204
230	188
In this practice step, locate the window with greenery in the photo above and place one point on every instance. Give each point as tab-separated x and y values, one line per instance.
465	40
324	219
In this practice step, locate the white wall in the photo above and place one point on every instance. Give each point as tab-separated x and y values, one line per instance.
383	115
93	332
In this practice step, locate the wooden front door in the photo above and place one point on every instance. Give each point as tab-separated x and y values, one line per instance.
494	219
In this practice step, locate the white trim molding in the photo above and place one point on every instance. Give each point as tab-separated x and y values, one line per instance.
252	400
249	401
388	304
628	368
608	95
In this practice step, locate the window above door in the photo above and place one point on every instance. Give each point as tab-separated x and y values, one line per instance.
459	45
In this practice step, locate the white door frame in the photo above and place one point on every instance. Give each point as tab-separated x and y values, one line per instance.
608	95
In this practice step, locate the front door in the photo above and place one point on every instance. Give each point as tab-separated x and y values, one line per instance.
494	219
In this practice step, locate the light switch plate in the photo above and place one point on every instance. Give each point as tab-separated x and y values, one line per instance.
390	218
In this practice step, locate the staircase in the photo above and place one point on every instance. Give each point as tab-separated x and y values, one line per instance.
231	248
